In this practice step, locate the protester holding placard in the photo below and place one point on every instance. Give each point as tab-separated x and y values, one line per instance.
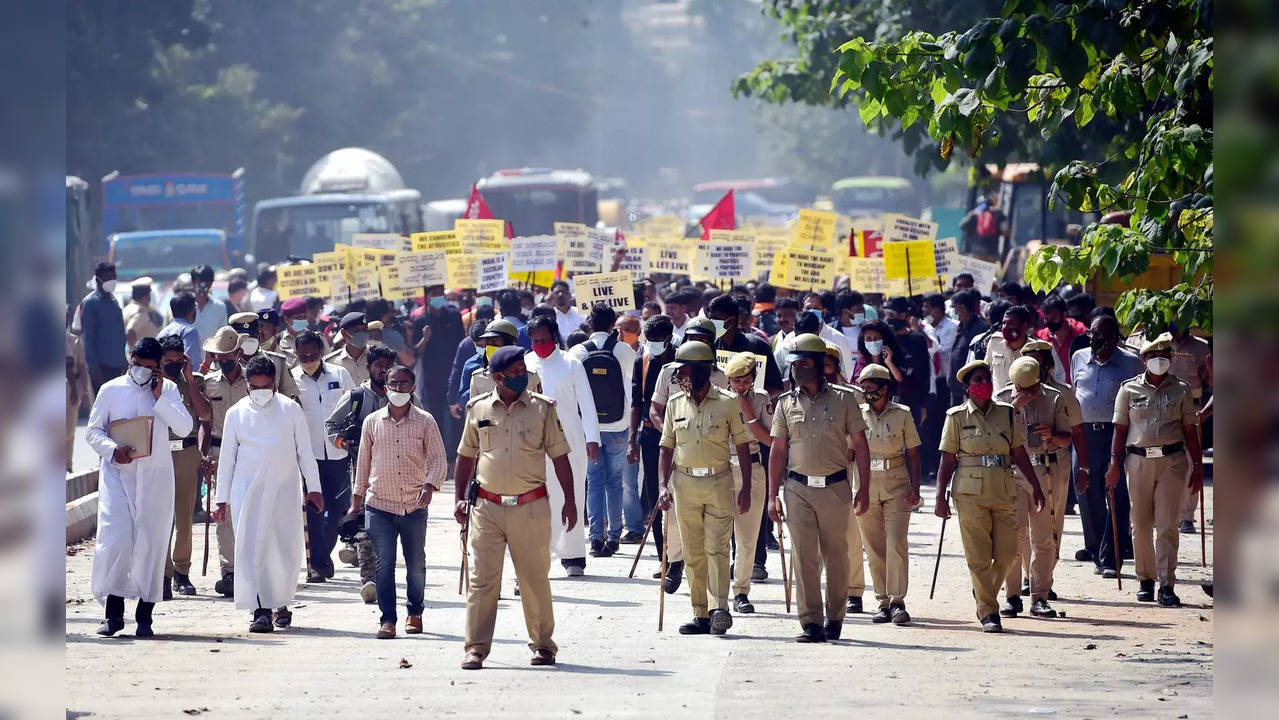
722	311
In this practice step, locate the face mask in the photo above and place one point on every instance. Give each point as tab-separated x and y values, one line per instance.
719	328
398	399
358	339
488	351
859	318
480	352
656	348
1011	335
261	396
803	375
1158	365
298	324
173	369
1053	326
874	395
1097	343
897	324
981	392
483	302
310	367
454	304
874	347
108	286
250	346
544	349
516	385
226	366
438	301
140	375
685	384
815	313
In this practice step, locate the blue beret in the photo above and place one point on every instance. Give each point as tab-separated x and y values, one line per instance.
504	357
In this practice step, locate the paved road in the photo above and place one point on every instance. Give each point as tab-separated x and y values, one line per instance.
1109	656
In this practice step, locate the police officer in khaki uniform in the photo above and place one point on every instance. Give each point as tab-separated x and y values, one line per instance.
702	429
813	426
499	334
894	443
1041	411
507	436
185	451
1156	438
246	324
1192	362
757	413
224	386
831	367
355	335
980	441
1042	351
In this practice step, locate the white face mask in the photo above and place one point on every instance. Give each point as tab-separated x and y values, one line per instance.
656	348
874	346
109	286
859	318
398	399
250	346
261	396
139	374
719	328
1158	365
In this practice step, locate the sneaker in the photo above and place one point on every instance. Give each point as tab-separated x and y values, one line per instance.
1041	608
597	546
899	614
853	606
110	627
1186	527
991	624
610	548
1109	573
347	556
182	584
368	593
742	604
698	626
721	621
574	571
1168	598
631	538
674	576
1012	606
883	616
759	573
1146	591
226	586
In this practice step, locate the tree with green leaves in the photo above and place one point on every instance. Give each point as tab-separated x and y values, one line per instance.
1053	68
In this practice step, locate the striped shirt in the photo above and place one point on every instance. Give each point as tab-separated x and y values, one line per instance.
398	458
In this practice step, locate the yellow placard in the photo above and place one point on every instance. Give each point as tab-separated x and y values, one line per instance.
328	264
636	259
297	281
814	228
670	258
368	257
421	268
463	271
777	271
901	228
661	227
347	253
389	279
366	284
808	269
445	240
529	280
485	237
611	288
866	275
912	259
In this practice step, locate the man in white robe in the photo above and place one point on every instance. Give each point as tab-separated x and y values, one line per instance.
564	380
266	445
135	495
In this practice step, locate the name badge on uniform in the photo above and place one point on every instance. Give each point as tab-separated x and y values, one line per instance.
334	385
484	423
878	463
1153	452
817	481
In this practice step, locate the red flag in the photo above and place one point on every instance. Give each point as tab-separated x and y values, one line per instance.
476	208
721	217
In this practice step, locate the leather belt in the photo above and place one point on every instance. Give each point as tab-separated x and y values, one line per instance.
216	442
512	500
982	461
1100	426
885	463
1043	459
819	481
699	472
181	444
1155	451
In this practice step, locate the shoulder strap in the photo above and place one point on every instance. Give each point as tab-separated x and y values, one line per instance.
611	342
644	373
590	346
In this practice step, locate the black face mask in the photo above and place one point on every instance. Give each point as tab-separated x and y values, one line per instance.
227	366
173	370
1054	326
1097	343
897	324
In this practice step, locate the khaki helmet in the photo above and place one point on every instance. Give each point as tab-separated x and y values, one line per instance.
1024	372
875	371
701	325
692	351
501	327
808	343
833	350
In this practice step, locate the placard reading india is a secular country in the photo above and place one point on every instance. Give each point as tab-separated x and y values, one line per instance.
636	259
422	268
297	281
533	253
612	288
493	273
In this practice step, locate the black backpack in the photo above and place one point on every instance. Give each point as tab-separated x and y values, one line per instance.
604	373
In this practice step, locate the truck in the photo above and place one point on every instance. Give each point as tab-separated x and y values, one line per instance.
175	201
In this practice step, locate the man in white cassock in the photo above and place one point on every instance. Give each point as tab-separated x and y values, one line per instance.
135	495
266	446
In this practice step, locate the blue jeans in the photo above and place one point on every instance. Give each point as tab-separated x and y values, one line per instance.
322	527
604	486
632	508
383	528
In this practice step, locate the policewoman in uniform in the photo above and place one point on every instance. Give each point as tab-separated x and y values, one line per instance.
1155	439
507	436
757	413
813	426
980	442
224	386
185	451
831	368
246	324
894	444
1041	411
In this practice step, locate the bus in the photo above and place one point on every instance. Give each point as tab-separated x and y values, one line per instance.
175	201
872	196
532	200
348	191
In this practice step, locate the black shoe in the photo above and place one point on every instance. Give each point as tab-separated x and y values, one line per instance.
1168	598
812	633
833	629
698	626
991	624
631	538
142	616
314	576
111	626
899	614
226	586
1052	595
1071	510
1146	591
770	543
674	576
166	592
1012	606
853	606
759	573
283	618
597	546
1025	587
721	621
742	604
1040	608
657	575
261	622
883	616
610	548
1083	555
182	584
328	572
1186	527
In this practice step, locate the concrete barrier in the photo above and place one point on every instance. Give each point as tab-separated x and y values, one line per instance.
82	518
81	484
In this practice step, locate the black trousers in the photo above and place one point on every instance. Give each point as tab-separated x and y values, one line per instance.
1094	511
648	444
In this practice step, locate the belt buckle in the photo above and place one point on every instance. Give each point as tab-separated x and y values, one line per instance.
510	500
175	445
732	460
816	481
1154	452
879	463
1099	426
992	461
699	472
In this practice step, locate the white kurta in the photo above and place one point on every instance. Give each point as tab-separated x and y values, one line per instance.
264	450
564	379
135	501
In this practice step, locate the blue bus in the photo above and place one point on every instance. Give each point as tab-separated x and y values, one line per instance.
176	201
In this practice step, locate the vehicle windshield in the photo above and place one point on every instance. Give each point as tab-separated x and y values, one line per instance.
879	199
534	211
303	230
165	257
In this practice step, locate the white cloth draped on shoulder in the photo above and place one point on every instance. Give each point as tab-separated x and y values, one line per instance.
135	500
264	451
